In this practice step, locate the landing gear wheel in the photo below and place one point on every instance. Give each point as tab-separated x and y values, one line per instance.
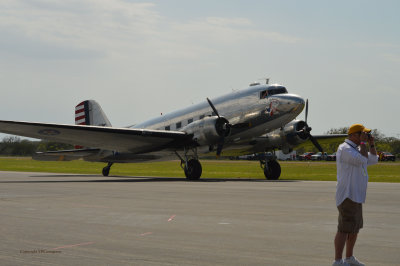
106	170
272	170
193	170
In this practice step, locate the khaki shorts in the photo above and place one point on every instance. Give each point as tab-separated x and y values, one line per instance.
350	217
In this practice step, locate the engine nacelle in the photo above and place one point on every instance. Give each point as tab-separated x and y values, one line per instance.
288	137
209	130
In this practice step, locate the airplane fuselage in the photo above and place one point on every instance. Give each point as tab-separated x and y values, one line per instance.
259	109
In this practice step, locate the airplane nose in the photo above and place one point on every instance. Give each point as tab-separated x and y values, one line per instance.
301	102
297	103
291	103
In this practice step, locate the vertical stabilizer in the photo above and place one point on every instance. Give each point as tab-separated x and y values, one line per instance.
90	113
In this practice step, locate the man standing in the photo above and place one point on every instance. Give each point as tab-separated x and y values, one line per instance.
352	158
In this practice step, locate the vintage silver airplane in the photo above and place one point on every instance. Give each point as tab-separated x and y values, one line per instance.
256	120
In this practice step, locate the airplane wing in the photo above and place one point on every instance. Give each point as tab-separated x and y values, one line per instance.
264	143
108	138
324	140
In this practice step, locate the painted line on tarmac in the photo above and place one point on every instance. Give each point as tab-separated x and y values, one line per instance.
76	245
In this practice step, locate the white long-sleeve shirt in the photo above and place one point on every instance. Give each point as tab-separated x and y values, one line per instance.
352	175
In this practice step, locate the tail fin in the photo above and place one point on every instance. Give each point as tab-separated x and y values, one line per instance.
90	113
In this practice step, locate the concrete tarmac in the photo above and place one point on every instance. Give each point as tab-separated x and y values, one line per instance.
65	219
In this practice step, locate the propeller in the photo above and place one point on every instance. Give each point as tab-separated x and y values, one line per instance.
223	128
306	111
305	131
316	144
213	107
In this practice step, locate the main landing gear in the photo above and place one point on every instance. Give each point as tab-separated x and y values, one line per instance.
193	169
106	170
191	165
272	169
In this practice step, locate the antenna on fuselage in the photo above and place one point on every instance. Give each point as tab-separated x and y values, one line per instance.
266	80
255	83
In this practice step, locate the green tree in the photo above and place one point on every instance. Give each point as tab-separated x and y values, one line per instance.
14	146
340	130
383	143
54	146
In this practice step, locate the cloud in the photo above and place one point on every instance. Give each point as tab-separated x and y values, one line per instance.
77	26
69	29
27	46
376	45
391	57
227	30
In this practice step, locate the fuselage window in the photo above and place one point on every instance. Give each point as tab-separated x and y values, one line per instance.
168	128
190	121
178	125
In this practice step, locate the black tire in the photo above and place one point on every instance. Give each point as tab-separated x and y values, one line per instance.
272	170
106	171
193	170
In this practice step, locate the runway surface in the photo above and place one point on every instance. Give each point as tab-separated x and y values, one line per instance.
56	219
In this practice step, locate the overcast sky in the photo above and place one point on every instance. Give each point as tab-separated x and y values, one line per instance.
142	58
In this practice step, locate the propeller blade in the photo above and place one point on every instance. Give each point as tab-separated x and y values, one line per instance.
316	144
219	147
306	111
213	107
225	129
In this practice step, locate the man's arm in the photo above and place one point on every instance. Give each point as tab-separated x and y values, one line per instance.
352	156
372	148
372	158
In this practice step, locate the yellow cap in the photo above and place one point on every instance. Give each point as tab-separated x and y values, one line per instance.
357	128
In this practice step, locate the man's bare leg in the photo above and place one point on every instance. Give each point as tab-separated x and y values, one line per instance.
340	241
350	242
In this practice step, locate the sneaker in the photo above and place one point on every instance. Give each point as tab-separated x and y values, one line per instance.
340	263
353	261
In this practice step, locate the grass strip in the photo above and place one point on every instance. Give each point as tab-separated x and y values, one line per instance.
313	171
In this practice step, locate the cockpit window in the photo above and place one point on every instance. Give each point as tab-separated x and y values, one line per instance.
263	94
276	90
272	90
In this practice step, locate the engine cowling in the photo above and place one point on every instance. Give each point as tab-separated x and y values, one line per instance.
293	134
209	130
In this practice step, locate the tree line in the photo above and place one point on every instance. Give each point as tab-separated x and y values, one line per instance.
15	146
382	143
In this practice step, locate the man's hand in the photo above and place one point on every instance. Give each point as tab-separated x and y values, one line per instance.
363	147
371	140
364	137
372	148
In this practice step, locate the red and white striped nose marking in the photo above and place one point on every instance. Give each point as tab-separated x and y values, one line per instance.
80	115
